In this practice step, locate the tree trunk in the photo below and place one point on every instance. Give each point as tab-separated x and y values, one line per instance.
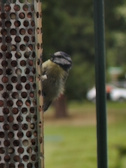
61	107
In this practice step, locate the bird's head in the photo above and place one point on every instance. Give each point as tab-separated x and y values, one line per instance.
62	59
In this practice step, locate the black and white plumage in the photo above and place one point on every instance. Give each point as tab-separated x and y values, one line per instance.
54	74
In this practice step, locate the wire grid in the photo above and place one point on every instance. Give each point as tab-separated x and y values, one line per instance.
21	123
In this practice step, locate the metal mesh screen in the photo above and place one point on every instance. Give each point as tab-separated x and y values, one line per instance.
21	137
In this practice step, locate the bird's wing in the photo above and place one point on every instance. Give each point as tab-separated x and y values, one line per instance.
46	105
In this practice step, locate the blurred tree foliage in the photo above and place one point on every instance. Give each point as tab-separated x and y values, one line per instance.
116	32
69	26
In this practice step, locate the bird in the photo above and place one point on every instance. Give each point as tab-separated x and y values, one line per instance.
54	75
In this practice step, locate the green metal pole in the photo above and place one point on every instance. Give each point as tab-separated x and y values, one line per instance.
100	84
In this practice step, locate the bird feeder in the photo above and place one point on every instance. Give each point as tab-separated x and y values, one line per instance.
21	117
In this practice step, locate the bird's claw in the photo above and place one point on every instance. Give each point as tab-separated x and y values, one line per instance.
43	77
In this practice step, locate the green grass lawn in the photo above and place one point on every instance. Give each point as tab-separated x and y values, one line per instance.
71	142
